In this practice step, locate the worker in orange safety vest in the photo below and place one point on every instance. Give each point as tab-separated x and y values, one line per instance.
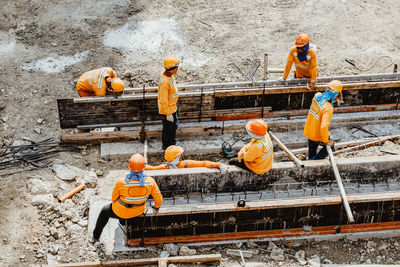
97	82
167	101
304	56
173	156
257	156
129	196
319	118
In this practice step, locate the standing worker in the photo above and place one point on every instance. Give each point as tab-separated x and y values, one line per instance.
173	156
319	118
97	82
256	156
129	196
167	100
304	56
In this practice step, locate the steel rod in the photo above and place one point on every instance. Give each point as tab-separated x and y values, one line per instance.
340	184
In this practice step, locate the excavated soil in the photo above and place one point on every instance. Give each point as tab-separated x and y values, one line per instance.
45	45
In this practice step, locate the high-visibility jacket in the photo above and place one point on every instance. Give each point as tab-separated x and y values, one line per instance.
132	194
304	69
318	120
93	82
186	164
167	95
258	155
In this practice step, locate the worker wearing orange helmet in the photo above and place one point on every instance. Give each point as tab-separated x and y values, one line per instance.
173	156
304	56
129	196
319	118
257	156
97	82
167	101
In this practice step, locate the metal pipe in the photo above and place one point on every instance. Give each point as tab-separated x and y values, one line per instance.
340	184
287	150
265	66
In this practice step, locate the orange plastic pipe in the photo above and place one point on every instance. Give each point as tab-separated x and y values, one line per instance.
72	192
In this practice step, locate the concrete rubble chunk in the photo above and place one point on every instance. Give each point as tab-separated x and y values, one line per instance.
277	254
314	261
37	130
172	249
44	200
301	257
271	246
164	254
51	259
36	186
185	251
2	104
245	253
40	121
383	247
370	244
89	179
252	244
64	173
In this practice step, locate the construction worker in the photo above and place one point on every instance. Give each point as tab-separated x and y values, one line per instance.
173	156
167	100
256	156
319	118
304	56
129	196
98	82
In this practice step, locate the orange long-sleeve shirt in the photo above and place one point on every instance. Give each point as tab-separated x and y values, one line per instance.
318	120
93	82
304	69
134	193
167	95
258	155
186	164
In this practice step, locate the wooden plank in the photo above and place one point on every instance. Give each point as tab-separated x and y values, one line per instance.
366	145
287	151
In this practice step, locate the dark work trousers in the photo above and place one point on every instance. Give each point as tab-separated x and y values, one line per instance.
312	150
105	214
235	161
169	131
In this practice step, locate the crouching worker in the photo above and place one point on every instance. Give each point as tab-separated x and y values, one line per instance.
319	118
99	82
257	156
129	196
173	156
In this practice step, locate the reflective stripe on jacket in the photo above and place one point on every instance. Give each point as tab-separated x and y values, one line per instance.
258	155
132	193
167	95
92	83
186	164
304	69
318	120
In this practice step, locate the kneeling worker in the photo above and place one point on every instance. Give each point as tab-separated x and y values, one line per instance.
304	56
319	118
129	196
97	82
257	156
173	156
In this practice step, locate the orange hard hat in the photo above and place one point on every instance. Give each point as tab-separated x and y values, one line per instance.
136	163
172	152
257	128
302	40
171	62
117	85
336	86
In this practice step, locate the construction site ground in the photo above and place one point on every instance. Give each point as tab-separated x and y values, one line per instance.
46	45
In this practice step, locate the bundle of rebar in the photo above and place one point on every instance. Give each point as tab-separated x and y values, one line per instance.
29	157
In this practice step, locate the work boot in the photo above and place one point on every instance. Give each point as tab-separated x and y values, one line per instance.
95	241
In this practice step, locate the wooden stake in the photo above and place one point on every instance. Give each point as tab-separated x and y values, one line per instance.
287	150
340	184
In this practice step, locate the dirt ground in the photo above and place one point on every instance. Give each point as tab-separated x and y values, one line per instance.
45	45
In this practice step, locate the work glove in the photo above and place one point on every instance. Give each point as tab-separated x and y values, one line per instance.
170	118
155	209
223	169
330	142
311	86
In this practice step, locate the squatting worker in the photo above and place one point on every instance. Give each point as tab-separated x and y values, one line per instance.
256	156
99	82
173	156
319	118
304	56
167	100
129	196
